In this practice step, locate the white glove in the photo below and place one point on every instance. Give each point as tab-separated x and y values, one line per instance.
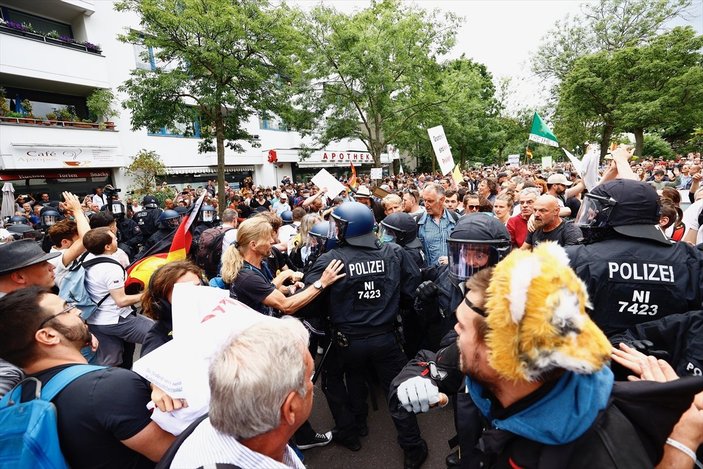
418	394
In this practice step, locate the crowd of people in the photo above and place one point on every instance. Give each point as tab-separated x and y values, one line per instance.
560	319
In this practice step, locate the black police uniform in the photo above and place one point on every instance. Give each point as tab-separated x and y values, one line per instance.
435	304
161	234
130	236
631	281
366	303
148	221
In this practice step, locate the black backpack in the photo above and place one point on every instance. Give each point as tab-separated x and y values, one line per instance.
209	251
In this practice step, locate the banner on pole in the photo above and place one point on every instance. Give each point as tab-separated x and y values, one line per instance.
540	133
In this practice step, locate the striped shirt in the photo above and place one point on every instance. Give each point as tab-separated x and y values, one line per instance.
206	447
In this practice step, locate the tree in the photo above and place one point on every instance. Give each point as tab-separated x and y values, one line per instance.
145	167
372	73
656	147
222	61
605	25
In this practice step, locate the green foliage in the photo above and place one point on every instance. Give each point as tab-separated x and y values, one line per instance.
657	147
373	74
227	60
27	106
145	167
100	104
51	116
67	114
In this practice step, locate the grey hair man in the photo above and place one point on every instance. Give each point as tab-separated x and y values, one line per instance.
260	393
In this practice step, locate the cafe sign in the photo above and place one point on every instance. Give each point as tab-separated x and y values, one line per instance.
58	156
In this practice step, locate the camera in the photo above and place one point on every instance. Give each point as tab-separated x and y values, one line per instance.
111	192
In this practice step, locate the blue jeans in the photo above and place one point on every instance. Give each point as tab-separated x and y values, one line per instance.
132	328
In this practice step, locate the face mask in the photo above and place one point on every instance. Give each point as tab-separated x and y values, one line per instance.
387	238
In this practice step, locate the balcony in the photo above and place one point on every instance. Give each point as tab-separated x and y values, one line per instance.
30	55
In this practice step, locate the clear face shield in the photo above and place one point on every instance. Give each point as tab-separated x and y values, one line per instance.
173	222
117	208
468	257
595	211
207	216
385	234
48	220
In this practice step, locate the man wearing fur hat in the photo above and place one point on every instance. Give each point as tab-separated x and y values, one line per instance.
538	389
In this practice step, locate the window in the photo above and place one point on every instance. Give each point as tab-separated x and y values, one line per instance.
40	25
270	122
179	129
144	57
44	103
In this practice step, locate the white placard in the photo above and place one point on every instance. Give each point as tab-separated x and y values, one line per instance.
546	162
514	160
441	148
376	173
323	179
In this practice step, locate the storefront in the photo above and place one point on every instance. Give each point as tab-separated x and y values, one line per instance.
33	169
197	176
337	163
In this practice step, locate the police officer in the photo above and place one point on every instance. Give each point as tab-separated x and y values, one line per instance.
206	219
49	215
366	302
148	217
633	272
320	240
167	223
401	228
478	241
129	234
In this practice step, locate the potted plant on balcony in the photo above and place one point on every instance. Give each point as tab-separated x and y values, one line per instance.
90	47
52	37
66	116
100	104
27	116
4	105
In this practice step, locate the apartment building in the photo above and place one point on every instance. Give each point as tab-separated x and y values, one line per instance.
55	53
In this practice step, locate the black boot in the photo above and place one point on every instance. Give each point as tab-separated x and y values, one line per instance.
453	460
415	456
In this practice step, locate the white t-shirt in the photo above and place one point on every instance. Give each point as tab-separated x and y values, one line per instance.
99	280
229	237
286	233
60	270
690	219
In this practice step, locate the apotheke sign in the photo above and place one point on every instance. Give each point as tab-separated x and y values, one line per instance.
350	156
27	157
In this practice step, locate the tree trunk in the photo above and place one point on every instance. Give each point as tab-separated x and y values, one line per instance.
639	141
605	140
220	139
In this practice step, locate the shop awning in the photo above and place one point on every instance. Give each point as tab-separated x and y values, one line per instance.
206	169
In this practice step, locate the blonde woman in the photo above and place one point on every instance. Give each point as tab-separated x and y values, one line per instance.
251	281
298	250
503	207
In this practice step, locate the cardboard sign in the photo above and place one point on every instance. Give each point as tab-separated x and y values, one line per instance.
441	148
546	162
323	179
514	160
376	173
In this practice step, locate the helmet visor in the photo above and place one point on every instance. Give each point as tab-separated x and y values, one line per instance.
594	212
207	216
468	257
385	234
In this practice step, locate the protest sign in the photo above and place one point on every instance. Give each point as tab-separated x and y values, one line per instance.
376	173
324	179
546	162
514	160
441	148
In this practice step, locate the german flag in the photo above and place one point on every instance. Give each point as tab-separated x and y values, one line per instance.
170	249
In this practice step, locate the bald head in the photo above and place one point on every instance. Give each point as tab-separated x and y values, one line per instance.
547	212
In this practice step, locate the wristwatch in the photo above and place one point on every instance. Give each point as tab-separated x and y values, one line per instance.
318	285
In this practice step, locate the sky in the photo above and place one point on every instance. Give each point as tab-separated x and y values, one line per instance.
504	34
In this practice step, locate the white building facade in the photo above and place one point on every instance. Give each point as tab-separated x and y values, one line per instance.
71	49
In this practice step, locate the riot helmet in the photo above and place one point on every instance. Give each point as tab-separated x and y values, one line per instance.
287	217
626	206
399	228
321	239
207	214
169	219
478	241
150	201
182	211
50	217
354	222
116	208
19	220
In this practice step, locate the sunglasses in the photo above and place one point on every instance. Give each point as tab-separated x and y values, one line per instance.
474	308
67	309
473	207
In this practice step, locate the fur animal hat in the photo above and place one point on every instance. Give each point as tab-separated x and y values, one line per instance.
536	314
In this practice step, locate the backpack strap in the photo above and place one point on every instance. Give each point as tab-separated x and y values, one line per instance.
101	260
65	377
170	454
54	386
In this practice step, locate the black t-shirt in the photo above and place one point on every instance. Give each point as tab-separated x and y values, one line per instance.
96	412
565	234
252	286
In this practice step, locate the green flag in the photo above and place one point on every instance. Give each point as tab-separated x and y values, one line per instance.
540	133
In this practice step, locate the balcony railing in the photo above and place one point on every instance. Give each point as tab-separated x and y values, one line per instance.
56	123
17	29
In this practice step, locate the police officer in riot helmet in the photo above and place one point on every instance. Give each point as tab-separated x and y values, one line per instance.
320	240
167	223
401	228
207	218
49	215
129	234
362	308
633	272
148	217
478	241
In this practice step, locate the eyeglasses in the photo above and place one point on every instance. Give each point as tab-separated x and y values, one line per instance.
67	309
473	207
476	309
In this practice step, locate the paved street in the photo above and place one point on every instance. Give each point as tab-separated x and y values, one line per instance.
379	449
